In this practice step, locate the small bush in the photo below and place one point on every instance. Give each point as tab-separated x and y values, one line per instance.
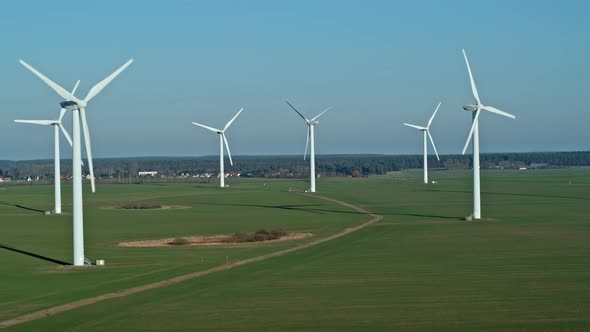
278	233
179	241
240	237
259	236
141	206
263	232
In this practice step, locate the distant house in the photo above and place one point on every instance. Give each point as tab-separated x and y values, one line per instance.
522	168
150	173
1	179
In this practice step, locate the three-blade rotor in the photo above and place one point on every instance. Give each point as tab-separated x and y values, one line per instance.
80	105
427	129
314	121
479	105
222	132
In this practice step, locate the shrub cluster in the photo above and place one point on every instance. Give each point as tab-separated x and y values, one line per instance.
179	241
258	236
141	206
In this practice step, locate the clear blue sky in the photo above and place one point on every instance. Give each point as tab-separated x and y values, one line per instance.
379	63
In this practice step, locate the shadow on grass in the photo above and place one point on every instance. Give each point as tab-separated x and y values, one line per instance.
293	207
33	255
305	208
22	207
510	194
423	216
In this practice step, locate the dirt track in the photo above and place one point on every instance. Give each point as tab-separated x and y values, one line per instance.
126	292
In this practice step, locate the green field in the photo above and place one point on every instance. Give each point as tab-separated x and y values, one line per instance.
421	268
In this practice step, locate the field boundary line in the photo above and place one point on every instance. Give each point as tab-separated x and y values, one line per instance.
172	281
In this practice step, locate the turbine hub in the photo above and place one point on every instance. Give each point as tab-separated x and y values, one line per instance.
470	108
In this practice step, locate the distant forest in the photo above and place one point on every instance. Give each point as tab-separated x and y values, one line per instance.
290	166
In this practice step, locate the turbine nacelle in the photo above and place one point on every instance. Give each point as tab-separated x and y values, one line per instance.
69	105
470	108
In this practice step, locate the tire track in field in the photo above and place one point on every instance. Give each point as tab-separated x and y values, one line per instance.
172	281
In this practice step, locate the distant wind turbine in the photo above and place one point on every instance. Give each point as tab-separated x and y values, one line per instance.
78	107
222	141
57	169
474	132
426	131
310	136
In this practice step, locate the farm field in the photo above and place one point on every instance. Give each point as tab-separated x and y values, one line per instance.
527	268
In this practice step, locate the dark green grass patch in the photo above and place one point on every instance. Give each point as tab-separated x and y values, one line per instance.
422	268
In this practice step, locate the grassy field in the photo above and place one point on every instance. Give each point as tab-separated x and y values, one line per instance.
421	268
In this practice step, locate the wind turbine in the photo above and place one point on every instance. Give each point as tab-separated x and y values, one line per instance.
310	136
222	141
426	131
57	169
474	132
78	106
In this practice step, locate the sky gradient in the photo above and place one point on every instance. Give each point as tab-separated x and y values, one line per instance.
378	63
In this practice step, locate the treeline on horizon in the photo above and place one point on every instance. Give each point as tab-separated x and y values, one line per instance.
292	166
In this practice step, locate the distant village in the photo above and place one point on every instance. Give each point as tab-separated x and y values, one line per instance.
205	169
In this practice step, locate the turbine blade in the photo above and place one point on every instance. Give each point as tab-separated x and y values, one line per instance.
473	87
102	84
62	112
433	114
232	119
65	94
306	143
497	111
38	122
471	131
207	127
75	87
227	148
317	116
88	148
433	146
66	135
414	126
301	115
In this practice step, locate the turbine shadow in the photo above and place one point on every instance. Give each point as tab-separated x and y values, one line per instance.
48	259
22	207
423	216
299	207
511	194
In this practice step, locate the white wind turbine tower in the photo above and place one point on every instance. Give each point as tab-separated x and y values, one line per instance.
57	167
310	136
222	141
474	132
78	106
426	131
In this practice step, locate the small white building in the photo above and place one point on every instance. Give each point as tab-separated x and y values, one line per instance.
151	173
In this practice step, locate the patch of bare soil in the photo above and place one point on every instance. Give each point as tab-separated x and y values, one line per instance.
203	241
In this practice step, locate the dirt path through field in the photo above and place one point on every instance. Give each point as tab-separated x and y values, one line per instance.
130	291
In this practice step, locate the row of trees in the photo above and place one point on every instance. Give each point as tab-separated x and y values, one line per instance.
292	166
